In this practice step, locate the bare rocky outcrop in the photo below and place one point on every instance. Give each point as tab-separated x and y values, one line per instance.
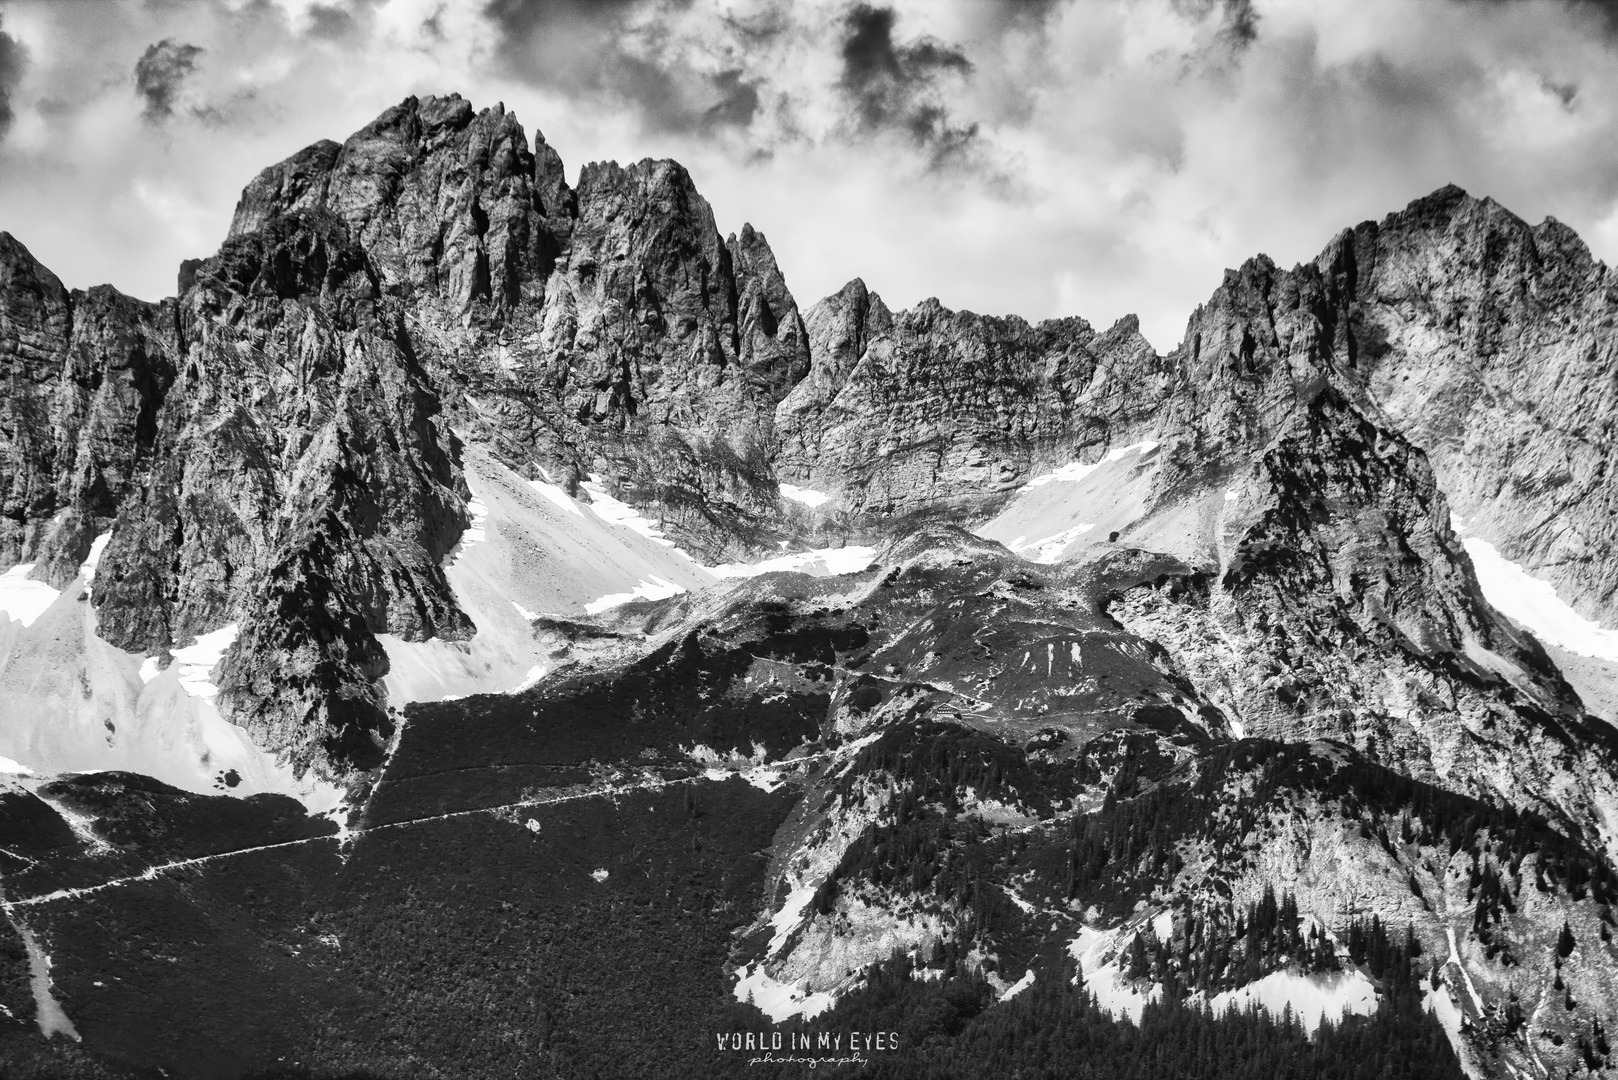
1487	342
935	407
85	374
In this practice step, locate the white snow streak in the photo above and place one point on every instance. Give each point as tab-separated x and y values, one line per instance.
1534	604
556	495
804	495
656	589
1073	471
831	562
1019	986
93	560
1048	549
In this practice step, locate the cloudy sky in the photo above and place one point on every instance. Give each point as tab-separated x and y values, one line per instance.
1035	157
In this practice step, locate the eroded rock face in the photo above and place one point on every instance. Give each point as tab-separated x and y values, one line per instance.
1345	608
934	407
1487	342
305	490
85	375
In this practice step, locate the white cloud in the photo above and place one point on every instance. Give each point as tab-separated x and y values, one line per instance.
1126	153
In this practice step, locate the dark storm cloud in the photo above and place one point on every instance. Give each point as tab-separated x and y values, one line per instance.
894	87
330	22
13	58
1022	14
1238	22
159	74
578	46
738	102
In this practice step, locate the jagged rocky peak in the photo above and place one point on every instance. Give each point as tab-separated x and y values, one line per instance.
677	326
447	202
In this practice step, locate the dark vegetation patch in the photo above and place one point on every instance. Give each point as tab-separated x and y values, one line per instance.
476	946
1054	1029
690	691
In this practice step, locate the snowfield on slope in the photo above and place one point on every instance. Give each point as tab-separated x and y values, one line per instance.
70	702
1053	513
531	550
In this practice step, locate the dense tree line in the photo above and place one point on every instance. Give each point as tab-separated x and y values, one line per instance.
1055	1029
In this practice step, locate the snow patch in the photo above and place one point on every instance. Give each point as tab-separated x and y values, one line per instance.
1311	997
48	1012
1230	496
1534	604
823	562
600	875
776	999
804	495
1096	951
87	571
9	766
1440	1004
1073	471
613	512
524	612
1019	986
149	669
535	673
22	599
475	532
1048	549
195	662
656	589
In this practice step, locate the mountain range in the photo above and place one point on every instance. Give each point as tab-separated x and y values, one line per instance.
483	626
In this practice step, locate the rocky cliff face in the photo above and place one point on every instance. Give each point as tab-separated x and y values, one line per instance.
85	375
305	491
1486	341
937	408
